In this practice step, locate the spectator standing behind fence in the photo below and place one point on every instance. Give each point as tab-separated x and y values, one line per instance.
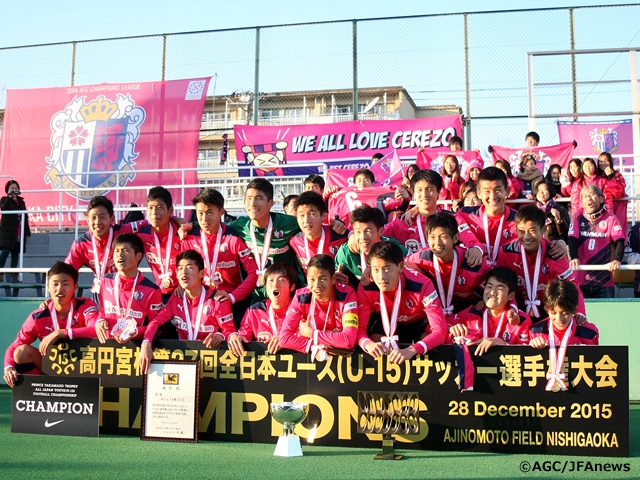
11	227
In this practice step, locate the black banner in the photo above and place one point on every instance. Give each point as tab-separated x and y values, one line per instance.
508	411
56	406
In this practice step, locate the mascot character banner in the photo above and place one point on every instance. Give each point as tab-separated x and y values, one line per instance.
278	151
90	139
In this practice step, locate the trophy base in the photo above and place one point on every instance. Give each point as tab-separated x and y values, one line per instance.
380	456
288	446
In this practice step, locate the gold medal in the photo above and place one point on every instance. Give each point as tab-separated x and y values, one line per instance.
260	281
166	283
95	288
321	355
557	386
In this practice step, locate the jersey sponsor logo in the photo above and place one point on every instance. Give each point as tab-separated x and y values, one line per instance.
566	274
519	265
156	306
49	328
593	234
350	320
523	337
350	305
617	228
207	328
226	318
109	308
412	245
430	298
463	227
244	253
230	264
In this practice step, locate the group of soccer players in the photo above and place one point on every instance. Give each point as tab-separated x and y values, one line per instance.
483	276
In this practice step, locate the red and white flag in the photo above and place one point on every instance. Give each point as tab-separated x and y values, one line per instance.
545	156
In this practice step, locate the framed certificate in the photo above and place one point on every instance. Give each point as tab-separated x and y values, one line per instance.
170	401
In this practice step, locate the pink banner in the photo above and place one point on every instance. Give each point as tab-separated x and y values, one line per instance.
545	156
387	171
96	137
593	138
276	150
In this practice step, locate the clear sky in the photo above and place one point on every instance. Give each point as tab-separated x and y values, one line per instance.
44	21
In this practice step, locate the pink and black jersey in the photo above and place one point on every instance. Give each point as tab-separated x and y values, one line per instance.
585	334
157	260
419	299
468	282
510	256
336	321
496	327
594	241
236	266
145	304
216	317
408	235
471	228
256	323
39	324
81	252
332	242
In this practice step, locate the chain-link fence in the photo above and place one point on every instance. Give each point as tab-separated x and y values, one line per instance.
320	72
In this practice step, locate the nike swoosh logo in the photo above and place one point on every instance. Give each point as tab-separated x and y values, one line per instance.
47	424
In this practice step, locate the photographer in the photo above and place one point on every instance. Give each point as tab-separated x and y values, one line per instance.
10	227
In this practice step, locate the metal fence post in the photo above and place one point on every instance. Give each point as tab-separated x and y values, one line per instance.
256	85
164	56
60	214
73	64
355	70
467	87
21	257
574	75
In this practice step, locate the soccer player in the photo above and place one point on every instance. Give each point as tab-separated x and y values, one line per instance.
95	247
368	225
489	326
59	318
487	227
198	316
314	183
458	284
426	186
289	204
161	240
528	257
323	317
315	237
560	330
230	269
263	321
399	306
592	233
128	300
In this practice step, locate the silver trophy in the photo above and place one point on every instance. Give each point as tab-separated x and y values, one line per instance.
289	414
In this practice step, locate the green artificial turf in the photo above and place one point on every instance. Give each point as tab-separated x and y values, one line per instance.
24	456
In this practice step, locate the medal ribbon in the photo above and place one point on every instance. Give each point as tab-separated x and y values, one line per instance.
557	359
320	246
315	348
485	323
423	240
209	264
532	302
272	320
101	268
363	261
56	324
390	339
165	271
116	290
195	329
447	307
261	261
492	253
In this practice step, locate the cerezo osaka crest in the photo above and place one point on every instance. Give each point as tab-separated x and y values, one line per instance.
90	142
